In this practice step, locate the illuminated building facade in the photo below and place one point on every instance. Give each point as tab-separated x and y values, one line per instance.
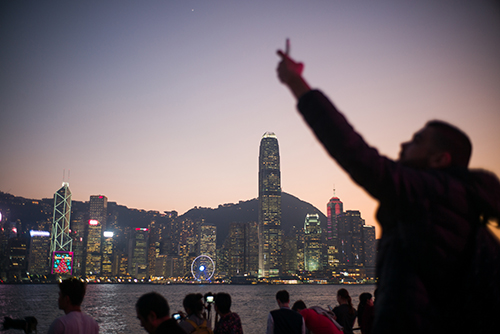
78	230
369	246
236	249
18	257
270	233
333	209
154	247
313	246
252	248
96	225
93	249
208	241
60	238
39	258
99	209
290	256
350	226
138	253
107	254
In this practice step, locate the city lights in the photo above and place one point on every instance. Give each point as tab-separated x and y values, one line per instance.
39	233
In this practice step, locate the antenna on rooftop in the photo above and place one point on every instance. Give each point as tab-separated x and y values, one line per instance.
334	190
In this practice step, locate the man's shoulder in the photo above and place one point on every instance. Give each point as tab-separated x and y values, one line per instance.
169	326
285	312
65	322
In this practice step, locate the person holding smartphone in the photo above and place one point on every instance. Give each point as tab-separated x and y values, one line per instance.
193	305
154	314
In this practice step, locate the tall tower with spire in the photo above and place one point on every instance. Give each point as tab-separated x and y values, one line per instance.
60	238
334	208
61	244
270	233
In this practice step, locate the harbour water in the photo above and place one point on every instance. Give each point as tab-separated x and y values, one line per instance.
113	305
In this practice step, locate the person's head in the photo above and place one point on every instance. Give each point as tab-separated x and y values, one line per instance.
152	309
365	299
344	298
193	303
222	302
437	145
282	297
71	293
298	306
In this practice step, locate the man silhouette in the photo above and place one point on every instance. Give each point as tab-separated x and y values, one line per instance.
284	320
71	293
154	314
431	208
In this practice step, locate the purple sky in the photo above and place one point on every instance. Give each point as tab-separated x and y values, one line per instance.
161	105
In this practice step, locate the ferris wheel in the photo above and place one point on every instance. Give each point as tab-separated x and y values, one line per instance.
203	268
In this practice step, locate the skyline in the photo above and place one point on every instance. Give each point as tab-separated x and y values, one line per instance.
161	106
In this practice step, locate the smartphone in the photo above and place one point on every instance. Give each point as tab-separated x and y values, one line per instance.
176	316
210	299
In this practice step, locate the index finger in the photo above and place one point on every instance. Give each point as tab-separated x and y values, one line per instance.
282	54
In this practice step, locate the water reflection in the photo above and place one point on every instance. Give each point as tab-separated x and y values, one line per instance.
113	305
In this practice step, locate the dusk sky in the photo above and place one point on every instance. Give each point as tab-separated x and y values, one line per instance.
161	105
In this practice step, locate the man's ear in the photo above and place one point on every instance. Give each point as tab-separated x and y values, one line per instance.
440	160
152	317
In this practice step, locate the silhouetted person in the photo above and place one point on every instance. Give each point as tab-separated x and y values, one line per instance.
345	312
193	305
154	314
365	312
317	319
71	294
431	208
284	320
227	322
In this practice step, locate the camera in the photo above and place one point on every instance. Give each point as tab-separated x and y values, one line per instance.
209	298
176	316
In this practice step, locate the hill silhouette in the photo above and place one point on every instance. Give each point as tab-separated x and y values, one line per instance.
293	213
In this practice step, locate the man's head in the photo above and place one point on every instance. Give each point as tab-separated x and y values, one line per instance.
152	309
71	293
437	145
222	303
283	298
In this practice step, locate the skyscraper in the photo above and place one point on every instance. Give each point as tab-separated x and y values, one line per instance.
107	254
333	208
60	239
99	209
208	241
369	246
312	243
38	260
93	252
350	227
138	253
236	265
95	228
61	243
270	233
